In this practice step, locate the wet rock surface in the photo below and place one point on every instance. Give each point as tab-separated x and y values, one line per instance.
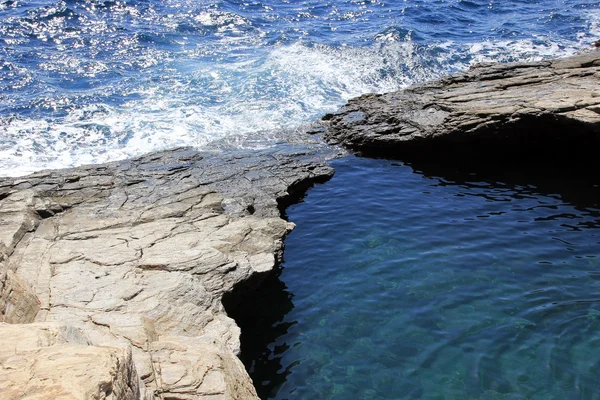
112	276
533	108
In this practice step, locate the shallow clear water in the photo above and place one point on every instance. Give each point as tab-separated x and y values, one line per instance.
84	81
406	282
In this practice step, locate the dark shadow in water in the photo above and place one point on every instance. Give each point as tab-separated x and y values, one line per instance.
574	183
550	140
260	315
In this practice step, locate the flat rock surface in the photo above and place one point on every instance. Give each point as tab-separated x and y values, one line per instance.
127	264
509	105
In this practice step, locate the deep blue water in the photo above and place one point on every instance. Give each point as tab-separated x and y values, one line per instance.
418	282
85	81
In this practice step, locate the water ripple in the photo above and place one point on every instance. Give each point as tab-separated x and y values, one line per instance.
400	295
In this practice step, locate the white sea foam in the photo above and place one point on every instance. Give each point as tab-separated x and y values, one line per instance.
270	90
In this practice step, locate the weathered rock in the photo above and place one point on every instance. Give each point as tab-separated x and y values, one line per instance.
491	108
136	256
18	304
52	361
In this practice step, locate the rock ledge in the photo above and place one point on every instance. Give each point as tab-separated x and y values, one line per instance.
112	276
519	107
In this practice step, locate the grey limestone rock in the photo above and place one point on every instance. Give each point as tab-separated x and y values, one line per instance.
127	264
491	107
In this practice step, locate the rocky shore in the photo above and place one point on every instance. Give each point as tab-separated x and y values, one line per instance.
532	109
114	278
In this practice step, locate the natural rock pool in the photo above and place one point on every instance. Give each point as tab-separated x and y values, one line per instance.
412	281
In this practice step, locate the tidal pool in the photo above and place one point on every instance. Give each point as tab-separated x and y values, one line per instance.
412	281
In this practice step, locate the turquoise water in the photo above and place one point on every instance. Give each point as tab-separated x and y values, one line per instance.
407	282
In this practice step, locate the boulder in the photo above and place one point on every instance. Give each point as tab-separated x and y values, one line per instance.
51	361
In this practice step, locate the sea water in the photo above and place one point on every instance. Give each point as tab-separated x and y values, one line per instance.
423	282
89	81
400	281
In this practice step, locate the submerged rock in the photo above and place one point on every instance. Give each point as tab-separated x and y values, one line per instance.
112	276
488	110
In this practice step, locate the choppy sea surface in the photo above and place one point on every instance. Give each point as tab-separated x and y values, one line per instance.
88	81
425	282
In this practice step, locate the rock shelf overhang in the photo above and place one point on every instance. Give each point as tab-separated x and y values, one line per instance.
536	108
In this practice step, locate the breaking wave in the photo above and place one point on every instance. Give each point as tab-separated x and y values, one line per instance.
94	81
